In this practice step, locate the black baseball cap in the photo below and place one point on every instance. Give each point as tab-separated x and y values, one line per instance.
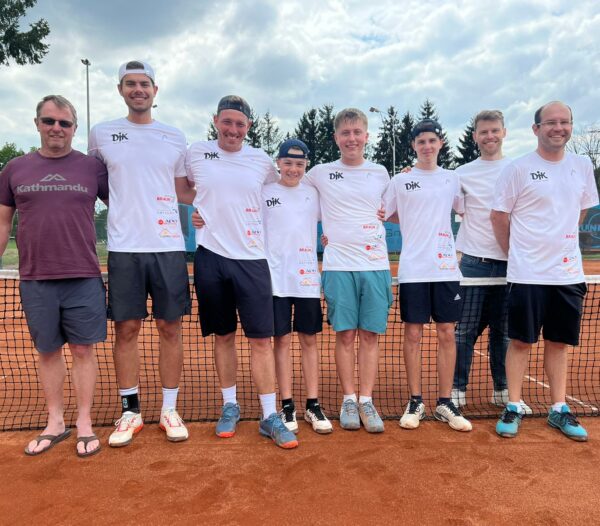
291	144
233	102
426	125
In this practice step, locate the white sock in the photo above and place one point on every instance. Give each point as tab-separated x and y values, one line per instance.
518	405
128	391
268	403
365	399
169	397
229	394
558	406
350	397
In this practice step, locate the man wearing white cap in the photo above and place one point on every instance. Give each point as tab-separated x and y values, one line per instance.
145	161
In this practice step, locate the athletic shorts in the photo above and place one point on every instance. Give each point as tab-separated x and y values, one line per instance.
308	315
60	311
358	299
437	300
224	285
133	276
555	308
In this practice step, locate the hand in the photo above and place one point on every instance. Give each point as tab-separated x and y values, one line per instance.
197	221
381	214
324	240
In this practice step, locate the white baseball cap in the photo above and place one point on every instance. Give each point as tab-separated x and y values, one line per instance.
136	66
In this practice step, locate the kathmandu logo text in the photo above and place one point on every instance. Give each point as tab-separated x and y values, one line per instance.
274	201
118	137
336	176
539	176
412	186
211	155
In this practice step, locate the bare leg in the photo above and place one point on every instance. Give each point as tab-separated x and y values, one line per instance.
263	365
52	373
412	356
125	353
517	358
446	358
84	373
226	359
344	359
555	365
171	352
283	364
310	363
368	360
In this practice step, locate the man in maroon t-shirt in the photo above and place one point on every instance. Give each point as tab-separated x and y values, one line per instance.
54	190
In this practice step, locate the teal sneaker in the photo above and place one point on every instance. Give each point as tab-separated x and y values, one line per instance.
349	418
510	420
230	416
567	423
274	428
370	418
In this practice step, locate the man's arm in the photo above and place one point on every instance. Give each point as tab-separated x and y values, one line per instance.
582	215
186	192
501	226
6	217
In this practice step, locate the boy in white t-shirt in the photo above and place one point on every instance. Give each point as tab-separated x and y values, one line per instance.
422	201
540	199
291	213
356	276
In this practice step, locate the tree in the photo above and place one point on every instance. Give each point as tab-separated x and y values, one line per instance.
468	149
445	157
388	136
327	149
9	151
21	46
271	135
586	141
405	155
254	137
212	134
307	131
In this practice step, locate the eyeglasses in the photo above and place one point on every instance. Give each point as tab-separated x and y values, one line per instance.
49	121
552	124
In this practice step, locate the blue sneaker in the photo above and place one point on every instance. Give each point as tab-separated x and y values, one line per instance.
510	419
567	423
349	417
370	418
230	416
274	428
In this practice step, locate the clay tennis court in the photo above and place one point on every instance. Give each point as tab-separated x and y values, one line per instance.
431	475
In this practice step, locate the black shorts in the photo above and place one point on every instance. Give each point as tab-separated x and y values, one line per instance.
132	276
64	310
437	300
555	308
308	315
224	285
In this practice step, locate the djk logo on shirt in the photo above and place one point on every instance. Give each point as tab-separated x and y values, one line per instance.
211	155
274	201
119	137
336	176
539	176
412	186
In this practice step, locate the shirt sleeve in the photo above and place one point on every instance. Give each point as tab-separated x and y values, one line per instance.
589	196
102	175
389	200
180	170
189	172
272	174
93	148
7	197
507	189
458	202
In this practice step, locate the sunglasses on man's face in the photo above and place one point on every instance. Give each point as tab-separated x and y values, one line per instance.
48	121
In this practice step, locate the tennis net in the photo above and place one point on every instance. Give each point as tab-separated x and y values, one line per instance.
22	403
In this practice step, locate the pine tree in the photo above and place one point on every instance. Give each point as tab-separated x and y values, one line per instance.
388	133
406	155
327	149
254	137
271	135
212	134
445	157
468	149
307	131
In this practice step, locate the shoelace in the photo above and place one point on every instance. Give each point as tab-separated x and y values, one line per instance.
413	406
316	410
510	416
173	418
124	422
350	408
452	408
228	412
568	418
368	409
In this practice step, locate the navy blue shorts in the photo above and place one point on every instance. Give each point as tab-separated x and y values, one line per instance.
224	286
437	300
307	319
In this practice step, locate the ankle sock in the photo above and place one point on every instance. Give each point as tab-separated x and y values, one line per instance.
130	401
229	394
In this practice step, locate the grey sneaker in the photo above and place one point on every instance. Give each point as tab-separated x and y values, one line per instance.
230	415
349	418
370	418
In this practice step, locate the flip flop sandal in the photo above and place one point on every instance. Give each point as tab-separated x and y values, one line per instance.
54	439
85	441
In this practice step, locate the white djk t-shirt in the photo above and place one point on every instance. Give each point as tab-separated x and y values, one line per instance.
424	200
228	197
291	215
350	197
544	200
143	161
478	183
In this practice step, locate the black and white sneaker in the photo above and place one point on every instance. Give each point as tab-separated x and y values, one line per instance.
288	417
317	419
448	412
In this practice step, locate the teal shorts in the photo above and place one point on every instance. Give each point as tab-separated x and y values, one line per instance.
358	299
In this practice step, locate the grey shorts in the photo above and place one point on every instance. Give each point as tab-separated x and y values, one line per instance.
133	276
60	311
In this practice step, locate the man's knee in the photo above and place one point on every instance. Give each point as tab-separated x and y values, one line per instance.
346	338
169	330
128	330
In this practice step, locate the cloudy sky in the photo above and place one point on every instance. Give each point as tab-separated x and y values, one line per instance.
287	56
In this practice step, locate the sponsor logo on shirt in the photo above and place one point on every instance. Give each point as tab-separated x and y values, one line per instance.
413	185
211	155
539	176
119	137
304	271
274	201
51	178
336	176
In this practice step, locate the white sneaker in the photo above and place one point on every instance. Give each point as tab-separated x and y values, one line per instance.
317	419
173	425
448	412
459	398
289	419
415	412
128	425
500	398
